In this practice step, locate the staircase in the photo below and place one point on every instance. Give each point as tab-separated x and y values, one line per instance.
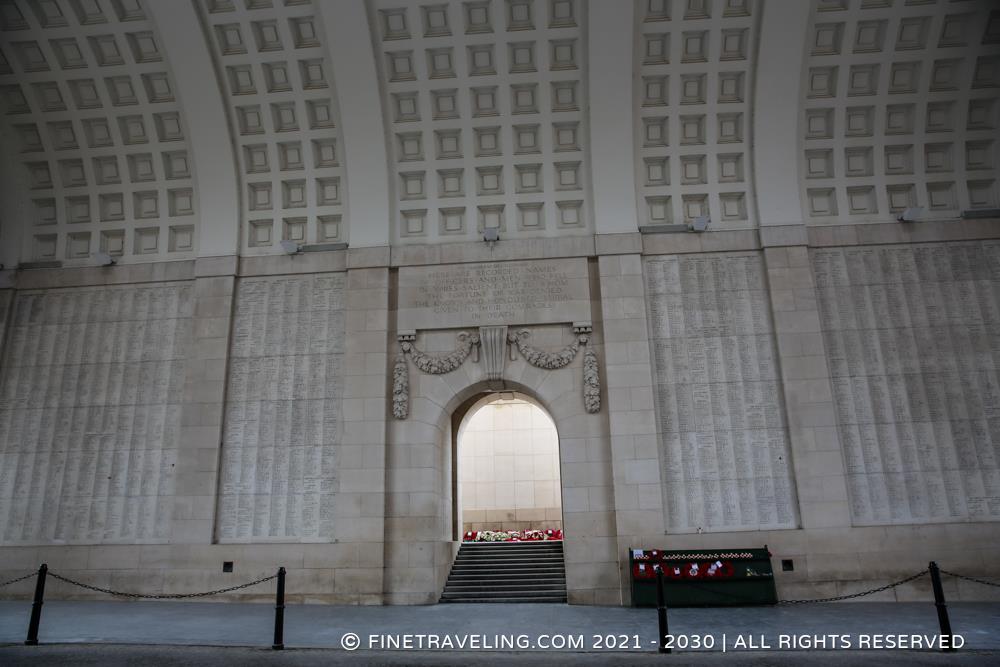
507	572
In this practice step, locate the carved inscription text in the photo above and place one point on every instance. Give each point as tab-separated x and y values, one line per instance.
494	293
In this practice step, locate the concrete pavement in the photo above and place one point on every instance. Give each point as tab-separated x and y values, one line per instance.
105	655
748	632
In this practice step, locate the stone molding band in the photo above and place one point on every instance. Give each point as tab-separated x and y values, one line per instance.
495	336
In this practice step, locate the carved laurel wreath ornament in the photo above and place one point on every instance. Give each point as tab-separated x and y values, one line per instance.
540	358
400	387
428	364
446	364
439	365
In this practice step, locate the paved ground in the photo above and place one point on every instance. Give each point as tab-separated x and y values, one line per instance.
196	633
82	655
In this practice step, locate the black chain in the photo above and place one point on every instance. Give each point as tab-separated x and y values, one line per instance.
14	581
978	581
861	594
162	596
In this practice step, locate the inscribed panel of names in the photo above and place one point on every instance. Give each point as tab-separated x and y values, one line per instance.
283	410
724	441
90	413
912	336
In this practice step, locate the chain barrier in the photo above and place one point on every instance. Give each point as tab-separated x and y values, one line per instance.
14	581
978	581
181	596
862	593
160	596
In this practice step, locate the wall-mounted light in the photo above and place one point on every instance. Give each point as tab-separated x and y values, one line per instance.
491	235
911	214
291	247
104	259
700	224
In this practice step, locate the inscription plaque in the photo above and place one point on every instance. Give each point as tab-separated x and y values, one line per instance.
725	450
283	410
471	295
911	336
90	413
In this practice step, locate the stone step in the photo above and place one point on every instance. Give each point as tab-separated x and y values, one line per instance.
500	584
511	546
491	600
511	558
514	545
465	575
514	553
513	592
491	588
507	572
486	568
482	576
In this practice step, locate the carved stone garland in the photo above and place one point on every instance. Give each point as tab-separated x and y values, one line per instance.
425	362
446	364
539	358
467	342
591	381
553	360
400	387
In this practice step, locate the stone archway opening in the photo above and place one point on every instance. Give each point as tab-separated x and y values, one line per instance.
507	467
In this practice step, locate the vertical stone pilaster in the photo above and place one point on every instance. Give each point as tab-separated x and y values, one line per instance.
609	74
197	470
638	499
816	455
361	497
6	311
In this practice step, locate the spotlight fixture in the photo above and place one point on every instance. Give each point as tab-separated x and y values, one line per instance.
491	234
912	214
104	259
700	224
291	247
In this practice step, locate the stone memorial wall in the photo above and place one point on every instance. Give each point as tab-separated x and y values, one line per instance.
90	413
912	335
283	410
725	449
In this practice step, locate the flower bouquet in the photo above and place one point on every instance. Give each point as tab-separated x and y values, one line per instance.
512	535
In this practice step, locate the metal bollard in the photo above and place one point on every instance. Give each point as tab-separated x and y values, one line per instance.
36	606
661	611
279	613
942	608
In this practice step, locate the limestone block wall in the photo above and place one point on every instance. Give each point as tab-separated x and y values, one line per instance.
420	530
346	567
834	552
508	469
633	456
393	531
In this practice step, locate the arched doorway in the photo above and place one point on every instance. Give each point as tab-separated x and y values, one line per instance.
422	525
507	467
